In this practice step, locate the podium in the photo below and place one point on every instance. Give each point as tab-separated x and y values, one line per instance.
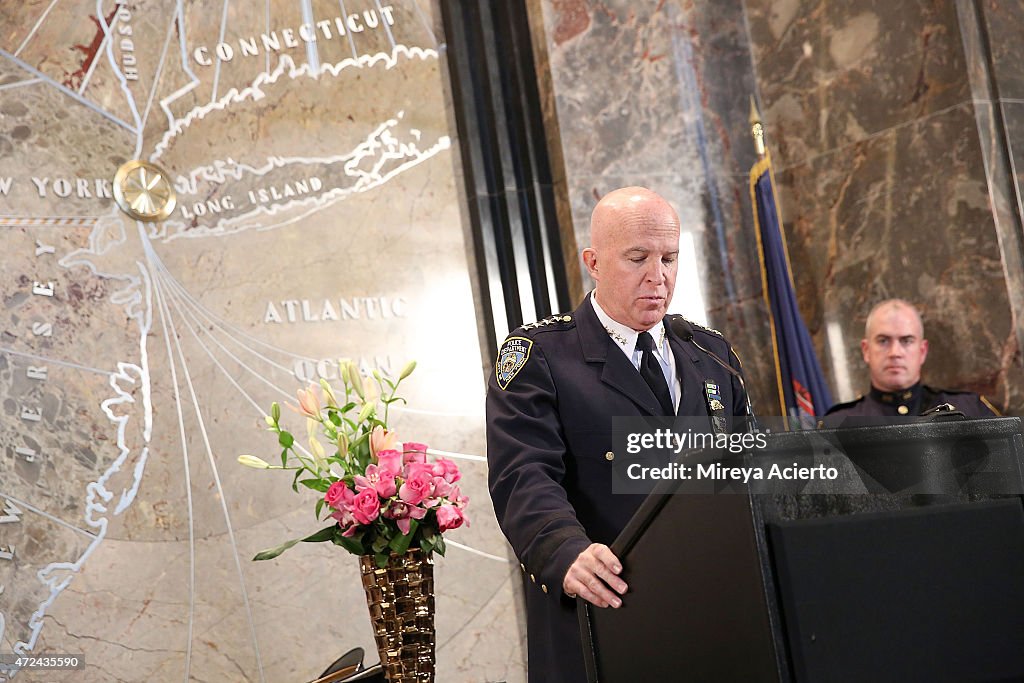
909	567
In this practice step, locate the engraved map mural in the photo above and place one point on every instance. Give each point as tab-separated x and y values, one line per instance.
317	219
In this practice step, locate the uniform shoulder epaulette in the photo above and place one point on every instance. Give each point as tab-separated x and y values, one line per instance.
552	321
952	392
848	404
514	353
698	326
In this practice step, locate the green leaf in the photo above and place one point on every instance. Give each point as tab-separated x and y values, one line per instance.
286	439
379	544
426	546
348	406
284	457
439	547
325	534
381	559
335	418
271	553
319	507
295	481
400	544
320	485
353	545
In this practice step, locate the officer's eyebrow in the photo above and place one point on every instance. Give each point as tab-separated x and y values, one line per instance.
645	250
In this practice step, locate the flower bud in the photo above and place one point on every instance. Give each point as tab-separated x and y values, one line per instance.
253	461
371	390
365	412
275	411
316	449
343	364
407	370
355	379
329	393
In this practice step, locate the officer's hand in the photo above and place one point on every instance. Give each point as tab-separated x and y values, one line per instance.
593	575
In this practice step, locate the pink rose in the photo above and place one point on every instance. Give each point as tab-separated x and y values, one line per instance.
449	517
379	480
390	461
338	496
442	488
415	452
346	520
457	498
447	469
413	469
402	514
417	486
366	506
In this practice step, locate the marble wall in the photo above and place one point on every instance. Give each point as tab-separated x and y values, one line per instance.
317	218
670	113
887	152
884	186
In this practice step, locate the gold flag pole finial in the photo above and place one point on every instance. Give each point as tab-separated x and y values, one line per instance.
756	129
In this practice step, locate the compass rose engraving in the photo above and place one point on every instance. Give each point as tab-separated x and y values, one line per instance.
144	191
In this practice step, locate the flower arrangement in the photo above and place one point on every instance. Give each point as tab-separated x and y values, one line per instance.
383	496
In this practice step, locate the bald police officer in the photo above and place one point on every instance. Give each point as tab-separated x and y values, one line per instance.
894	349
556	386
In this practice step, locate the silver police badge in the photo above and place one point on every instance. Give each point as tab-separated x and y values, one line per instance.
511	358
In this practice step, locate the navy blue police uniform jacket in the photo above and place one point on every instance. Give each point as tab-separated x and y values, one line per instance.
911	401
550	402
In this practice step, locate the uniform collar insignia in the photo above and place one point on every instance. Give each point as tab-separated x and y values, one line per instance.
902	396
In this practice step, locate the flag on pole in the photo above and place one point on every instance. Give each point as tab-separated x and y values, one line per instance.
803	392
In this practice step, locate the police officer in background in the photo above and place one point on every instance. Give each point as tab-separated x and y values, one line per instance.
894	349
556	386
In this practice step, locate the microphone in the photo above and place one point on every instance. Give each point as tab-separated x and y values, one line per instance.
684	330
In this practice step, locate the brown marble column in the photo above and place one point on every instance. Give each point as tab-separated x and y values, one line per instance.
885	189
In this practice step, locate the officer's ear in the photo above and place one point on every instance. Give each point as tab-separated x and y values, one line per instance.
924	350
864	349
590	261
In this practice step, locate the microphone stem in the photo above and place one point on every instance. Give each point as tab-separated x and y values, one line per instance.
753	426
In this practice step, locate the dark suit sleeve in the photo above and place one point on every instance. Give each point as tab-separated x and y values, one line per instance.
525	455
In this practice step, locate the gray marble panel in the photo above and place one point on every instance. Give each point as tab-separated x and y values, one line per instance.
906	214
1004	21
671	113
1013	120
745	324
835	73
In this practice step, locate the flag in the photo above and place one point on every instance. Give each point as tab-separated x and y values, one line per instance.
803	392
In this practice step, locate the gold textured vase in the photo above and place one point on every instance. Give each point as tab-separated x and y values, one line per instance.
401	601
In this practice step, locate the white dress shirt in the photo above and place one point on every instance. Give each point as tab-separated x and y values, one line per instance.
625	338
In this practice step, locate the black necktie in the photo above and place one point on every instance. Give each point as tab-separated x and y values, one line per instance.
650	370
